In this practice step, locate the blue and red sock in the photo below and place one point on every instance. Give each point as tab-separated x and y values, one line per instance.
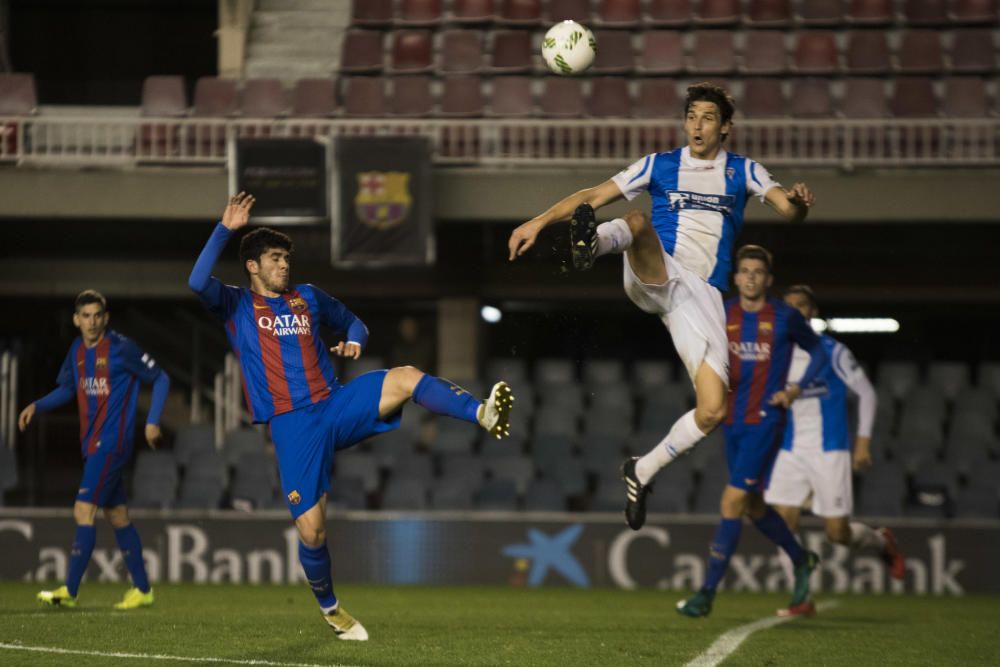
79	557
727	538
775	529
131	547
444	398
316	564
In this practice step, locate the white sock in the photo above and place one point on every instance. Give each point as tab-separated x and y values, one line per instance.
613	236
683	435
330	610
864	536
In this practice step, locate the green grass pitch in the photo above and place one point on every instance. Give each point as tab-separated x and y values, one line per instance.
490	626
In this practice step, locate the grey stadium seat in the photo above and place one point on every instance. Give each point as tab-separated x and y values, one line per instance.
153	492
950	377
243	441
554	371
567	474
465	469
452	494
497	495
883	491
544	495
608	497
200	492
652	372
897	376
979	502
405	494
192	440
348	493
518	469
360	465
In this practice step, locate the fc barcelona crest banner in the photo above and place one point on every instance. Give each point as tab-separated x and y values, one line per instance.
383	189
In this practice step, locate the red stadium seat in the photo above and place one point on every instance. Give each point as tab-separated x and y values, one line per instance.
614	54
264	98
718	12
820	12
925	12
461	51
411	50
662	52
374	13
364	96
362	51
473	11
864	98
619	13
562	97
920	52
411	96
657	98
512	51
973	50
609	98
520	12
811	98
713	52
214	97
419	13
314	98
667	13
815	52
870	12
867	52
462	96
764	53
764	98
769	14
572	10
974	11
965	97
914	98
161	95
512	97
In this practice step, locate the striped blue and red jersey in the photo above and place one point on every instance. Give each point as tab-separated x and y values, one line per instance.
105	380
760	352
277	340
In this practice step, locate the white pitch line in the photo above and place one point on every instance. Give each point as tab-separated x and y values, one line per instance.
730	640
156	656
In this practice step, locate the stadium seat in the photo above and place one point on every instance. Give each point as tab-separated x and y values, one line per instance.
717	12
615	54
191	440
565	398
511	52
473	11
709	490
934	473
974	11
511	369
498	448
914	98
554	371
466	469
453	437
867	52
544	495
414	13
518	469
920	52
348	493
975	400
965	97
652	372
667	13
512	97
214	97
414	466
713	52
392	446
161	95
412	51
375	13
811	98
973	51
608	497
815	52
865	98
260	467
924	401
708	454
764	53
451	494
404	494
554	421
154	464
924	12
200	492
498	495
883	491
461	51
520	12
362	52
568	10
551	449
599	373
870	12
977	502
412	96
9	469
820	12
656	98
609	98
768	14
673	489
153	493
314	98
601	454
948	376
662	53
898	377
19	98
208	464
764	98
240	442
568	475
988	376
619	13
360	465
264	98
364	97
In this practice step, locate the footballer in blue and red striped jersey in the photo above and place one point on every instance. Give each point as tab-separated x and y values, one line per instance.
762	334
103	370
274	329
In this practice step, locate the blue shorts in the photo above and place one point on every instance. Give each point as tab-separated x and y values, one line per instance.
102	483
305	440
751	450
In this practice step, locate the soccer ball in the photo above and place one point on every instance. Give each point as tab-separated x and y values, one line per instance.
569	48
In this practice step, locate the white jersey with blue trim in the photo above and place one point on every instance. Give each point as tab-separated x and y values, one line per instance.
817	419
697	205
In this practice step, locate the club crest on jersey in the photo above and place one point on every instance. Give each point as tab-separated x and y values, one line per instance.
294	498
730	172
765	327
297	304
383	200
101	362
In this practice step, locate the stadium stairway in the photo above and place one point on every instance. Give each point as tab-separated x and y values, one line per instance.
293	39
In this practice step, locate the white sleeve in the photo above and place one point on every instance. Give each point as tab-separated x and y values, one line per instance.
850	371
635	178
759	180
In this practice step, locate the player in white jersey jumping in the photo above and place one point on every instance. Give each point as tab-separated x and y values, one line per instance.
816	454
678	259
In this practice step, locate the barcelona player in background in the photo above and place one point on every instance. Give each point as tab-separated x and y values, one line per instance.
274	329
103	370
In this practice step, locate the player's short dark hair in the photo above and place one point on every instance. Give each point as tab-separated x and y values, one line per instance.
710	92
89	296
805	291
259	241
755	252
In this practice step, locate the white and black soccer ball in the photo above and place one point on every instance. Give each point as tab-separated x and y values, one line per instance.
569	48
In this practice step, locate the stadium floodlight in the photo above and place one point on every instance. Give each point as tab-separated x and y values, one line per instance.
855	325
818	324
491	314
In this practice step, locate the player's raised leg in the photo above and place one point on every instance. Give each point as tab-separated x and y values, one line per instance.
79	556
860	536
141	593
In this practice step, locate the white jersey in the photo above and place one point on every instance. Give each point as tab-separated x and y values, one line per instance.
697	205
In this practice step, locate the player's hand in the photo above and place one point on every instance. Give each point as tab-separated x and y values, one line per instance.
786	396
801	194
347	350
862	457
153	435
522	238
25	417
237	213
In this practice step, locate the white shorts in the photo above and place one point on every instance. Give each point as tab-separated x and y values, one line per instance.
692	311
827	475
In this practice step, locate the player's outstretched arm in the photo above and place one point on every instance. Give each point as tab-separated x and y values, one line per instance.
347	349
793	205
25	417
523	238
237	213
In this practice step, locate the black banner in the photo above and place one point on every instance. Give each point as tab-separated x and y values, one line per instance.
384	193
288	178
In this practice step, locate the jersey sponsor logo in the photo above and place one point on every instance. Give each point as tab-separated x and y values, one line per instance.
294	498
95	386
383	200
285	325
750	351
684	200
816	389
297	304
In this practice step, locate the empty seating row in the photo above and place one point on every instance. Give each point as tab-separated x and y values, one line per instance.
632	13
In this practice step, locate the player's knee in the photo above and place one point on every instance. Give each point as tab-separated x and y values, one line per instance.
84	513
406	378
708	416
117	516
312	536
838	533
638	222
